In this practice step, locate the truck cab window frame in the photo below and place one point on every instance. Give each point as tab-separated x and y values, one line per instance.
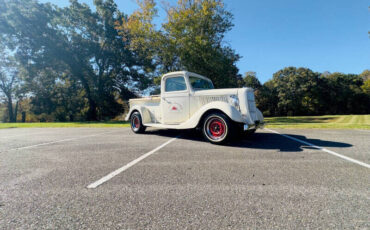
198	83
175	84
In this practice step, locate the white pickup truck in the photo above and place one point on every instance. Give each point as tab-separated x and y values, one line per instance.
189	100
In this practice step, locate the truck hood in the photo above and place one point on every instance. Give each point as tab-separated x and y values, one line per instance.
218	92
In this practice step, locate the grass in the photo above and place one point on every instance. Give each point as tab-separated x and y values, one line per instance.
304	122
110	124
320	122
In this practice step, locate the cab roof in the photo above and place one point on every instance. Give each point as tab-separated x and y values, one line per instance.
186	73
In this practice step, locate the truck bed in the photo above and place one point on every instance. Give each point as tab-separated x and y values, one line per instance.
151	100
152	108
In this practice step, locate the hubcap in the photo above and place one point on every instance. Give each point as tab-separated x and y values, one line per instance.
216	128
135	123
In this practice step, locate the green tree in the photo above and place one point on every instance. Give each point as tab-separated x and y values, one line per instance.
250	80
365	75
298	90
10	86
345	95
267	99
56	95
190	39
80	43
366	87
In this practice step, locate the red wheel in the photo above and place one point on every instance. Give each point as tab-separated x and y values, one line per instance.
136	123
216	128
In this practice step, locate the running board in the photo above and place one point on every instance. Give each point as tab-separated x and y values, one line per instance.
164	126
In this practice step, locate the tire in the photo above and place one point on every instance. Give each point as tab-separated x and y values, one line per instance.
136	123
217	128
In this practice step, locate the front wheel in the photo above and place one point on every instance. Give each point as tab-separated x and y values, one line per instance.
217	128
136	123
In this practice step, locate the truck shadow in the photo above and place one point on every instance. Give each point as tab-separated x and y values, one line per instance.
259	140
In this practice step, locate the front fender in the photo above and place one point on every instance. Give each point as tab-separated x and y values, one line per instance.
224	107
260	116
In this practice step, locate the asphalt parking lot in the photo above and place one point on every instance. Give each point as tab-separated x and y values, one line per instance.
266	181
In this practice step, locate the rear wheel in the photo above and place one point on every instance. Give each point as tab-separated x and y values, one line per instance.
136	123
217	128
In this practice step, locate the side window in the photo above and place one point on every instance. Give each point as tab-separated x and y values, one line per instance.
175	84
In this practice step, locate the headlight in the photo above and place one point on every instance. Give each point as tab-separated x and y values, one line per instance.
234	101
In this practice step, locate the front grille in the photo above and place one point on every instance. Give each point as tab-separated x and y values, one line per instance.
252	105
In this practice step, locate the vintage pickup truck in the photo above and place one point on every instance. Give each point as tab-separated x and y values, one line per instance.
189	100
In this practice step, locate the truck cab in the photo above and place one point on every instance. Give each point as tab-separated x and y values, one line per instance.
189	100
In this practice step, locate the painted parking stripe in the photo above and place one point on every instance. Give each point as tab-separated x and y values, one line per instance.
53	142
323	149
361	130
129	165
23	134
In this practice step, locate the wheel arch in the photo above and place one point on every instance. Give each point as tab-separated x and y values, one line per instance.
207	112
144	113
219	107
135	108
132	112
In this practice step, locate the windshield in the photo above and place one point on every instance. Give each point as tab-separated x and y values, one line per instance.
200	83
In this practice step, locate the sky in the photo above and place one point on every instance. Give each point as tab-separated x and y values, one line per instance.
323	35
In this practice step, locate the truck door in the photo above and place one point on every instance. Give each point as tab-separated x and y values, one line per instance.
174	100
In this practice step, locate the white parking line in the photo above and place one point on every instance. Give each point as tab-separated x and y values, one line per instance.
323	149
127	166
53	142
23	134
362	130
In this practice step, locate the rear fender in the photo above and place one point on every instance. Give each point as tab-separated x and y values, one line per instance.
144	112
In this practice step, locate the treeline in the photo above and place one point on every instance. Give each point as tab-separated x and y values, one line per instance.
75	63
300	91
